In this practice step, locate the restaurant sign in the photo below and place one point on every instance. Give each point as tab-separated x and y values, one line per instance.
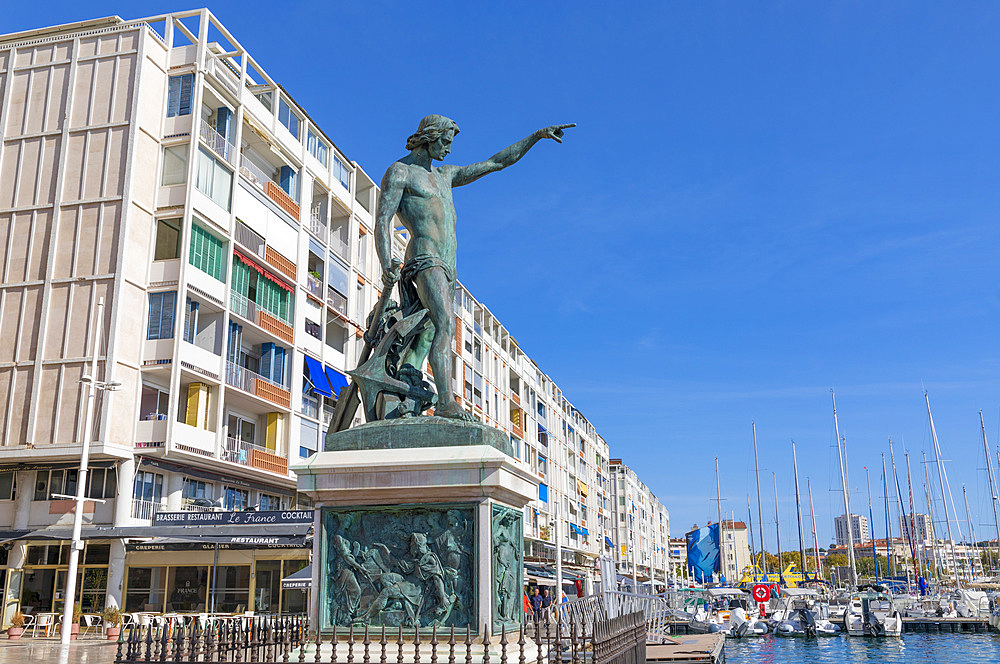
270	518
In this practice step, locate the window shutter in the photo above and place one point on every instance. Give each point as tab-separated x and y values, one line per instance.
222	121
186	86
267	360
235	340
278	368
155	307
173	95
287	180
167	315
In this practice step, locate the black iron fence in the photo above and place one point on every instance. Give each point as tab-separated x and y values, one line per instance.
269	640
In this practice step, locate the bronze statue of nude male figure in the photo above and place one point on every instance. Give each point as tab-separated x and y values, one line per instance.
421	194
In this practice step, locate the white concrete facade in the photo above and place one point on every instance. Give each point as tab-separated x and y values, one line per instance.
641	535
859	529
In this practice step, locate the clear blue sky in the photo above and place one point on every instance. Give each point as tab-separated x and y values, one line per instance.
762	201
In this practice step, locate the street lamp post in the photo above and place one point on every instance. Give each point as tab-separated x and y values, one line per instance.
90	380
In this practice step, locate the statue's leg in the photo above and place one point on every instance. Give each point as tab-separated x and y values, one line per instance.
436	293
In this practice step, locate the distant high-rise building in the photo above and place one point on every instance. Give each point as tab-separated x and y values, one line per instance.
859	529
922	531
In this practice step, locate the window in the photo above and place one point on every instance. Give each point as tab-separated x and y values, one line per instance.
168	239
287	117
337	276
267	503
213	179
196	490
175	160
308	437
272	362
265	99
317	147
207	252
242	429
153	403
179	89
341	172
8	485
102	483
191	321
274	298
148	486
234	499
161	315
313	329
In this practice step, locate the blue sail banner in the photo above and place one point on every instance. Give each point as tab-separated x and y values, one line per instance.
703	552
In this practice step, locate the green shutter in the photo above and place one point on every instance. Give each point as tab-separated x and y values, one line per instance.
241	277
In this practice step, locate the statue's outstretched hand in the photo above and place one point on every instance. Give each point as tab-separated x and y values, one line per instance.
555	132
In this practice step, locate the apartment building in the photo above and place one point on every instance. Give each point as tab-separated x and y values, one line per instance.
152	164
920	531
735	549
859	529
641	533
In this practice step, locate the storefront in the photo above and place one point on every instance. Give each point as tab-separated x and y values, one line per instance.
39	586
208	577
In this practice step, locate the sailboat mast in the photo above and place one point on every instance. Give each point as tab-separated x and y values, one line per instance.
944	498
930	517
753	549
993	488
812	515
798	511
900	512
847	503
760	515
777	529
915	551
972	532
871	520
889	549
718	502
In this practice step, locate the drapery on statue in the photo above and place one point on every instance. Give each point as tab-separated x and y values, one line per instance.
400	337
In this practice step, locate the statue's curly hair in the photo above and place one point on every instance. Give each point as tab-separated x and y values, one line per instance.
430	129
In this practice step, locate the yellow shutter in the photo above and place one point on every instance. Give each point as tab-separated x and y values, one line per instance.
196	414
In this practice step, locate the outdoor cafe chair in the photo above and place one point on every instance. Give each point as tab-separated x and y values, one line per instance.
91	623
44	621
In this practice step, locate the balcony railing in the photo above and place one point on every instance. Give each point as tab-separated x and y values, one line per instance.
217	142
253	172
317	222
252	382
336	301
243	307
281	197
340	247
146	509
248	454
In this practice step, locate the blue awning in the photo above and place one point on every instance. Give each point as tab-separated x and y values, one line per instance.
584	531
607	540
543	493
317	377
338	381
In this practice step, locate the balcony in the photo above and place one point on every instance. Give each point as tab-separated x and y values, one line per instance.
279	262
217	142
340	247
284	201
146	509
257	385
314	286
248	454
317	219
244	308
336	301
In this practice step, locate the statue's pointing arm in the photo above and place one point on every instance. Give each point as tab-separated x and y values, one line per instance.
506	157
393	184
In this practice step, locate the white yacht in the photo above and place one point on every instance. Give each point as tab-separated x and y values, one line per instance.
801	612
871	612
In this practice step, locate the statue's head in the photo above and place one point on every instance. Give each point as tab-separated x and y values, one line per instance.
436	132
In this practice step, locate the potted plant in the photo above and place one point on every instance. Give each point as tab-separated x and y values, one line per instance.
112	617
315	275
16	628
74	628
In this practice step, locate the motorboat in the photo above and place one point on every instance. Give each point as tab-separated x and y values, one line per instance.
801	612
734	612
871	612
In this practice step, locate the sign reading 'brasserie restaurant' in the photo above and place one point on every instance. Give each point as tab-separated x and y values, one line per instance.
276	518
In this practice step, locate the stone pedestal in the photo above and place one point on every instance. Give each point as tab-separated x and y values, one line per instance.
419	524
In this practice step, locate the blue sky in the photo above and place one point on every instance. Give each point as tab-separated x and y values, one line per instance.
761	202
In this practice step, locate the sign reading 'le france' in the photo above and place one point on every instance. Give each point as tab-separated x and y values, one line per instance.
276	518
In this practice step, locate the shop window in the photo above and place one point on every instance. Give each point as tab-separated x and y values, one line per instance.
175	163
145	589
268	503
231	593
93	589
186	589
47	554
102	483
48	482
235	500
168	239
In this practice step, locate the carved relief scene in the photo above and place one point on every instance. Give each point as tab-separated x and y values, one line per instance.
400	566
508	546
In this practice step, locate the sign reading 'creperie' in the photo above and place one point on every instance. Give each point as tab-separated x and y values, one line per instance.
276	518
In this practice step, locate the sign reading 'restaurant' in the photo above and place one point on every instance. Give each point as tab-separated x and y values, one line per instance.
276	518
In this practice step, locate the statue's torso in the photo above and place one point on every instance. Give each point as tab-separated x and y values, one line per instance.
428	212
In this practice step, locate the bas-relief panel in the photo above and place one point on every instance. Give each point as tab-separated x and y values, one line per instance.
507	564
411	566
